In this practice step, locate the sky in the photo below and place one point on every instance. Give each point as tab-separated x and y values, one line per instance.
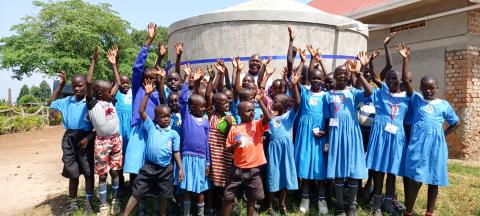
139	13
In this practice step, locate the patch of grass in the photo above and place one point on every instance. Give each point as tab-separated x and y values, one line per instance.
460	198
18	123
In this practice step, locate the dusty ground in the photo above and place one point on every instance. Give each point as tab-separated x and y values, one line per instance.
30	169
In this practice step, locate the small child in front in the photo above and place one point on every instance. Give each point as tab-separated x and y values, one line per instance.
108	142
155	178
246	142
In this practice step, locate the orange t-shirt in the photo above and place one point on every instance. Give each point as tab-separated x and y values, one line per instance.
250	153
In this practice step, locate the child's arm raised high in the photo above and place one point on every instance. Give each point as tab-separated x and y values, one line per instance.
354	67
139	64
58	90
294	88
404	51
388	62
112	59
89	91
179	50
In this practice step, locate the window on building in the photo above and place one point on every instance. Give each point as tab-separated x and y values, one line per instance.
408	26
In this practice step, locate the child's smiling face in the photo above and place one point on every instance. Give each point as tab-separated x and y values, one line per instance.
124	84
173	81
392	80
222	104
79	86
428	87
341	74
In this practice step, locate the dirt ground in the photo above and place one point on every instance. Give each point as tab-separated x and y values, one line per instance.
31	169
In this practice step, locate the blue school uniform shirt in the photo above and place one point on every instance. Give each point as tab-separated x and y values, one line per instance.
74	113
176	122
194	130
161	143
138	91
281	126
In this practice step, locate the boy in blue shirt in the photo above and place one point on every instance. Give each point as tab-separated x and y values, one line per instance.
77	142
155	178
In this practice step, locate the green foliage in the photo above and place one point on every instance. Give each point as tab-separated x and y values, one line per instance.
23	91
55	118
28	99
63	36
17	124
35	91
44	91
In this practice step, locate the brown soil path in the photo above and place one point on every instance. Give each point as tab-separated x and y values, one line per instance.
30	168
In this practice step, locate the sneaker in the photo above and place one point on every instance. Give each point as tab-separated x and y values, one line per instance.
88	208
72	206
322	208
103	210
270	212
305	205
388	205
352	210
116	209
376	205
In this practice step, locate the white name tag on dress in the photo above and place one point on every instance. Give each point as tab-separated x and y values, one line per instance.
333	122
391	128
313	101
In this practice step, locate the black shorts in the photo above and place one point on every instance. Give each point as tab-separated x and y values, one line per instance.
154	181
75	160
249	180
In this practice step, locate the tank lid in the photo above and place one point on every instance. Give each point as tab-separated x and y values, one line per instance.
272	10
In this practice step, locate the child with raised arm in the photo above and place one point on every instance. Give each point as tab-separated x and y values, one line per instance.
310	140
246	141
77	141
123	95
387	145
427	153
346	158
155	178
134	157
195	150
282	173
173	79
108	142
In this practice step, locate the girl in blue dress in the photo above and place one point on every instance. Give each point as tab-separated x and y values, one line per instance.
309	140
346	160
282	174
427	153
387	144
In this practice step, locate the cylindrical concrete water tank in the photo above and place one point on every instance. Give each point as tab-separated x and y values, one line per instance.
260	26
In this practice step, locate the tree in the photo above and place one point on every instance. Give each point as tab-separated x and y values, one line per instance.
35	91
23	91
29	98
45	91
62	36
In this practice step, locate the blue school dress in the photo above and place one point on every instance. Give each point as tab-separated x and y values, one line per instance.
282	173
386	150
427	153
346	158
124	112
309	158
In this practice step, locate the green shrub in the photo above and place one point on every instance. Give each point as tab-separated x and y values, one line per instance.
55	118
17	124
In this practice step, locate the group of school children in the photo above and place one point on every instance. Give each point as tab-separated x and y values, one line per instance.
186	138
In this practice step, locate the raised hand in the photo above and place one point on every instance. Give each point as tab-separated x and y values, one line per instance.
94	56
199	73
267	61
179	47
63	77
285	74
187	69
303	54
220	66
159	71
237	63
259	94
296	78
152	30
148	85
312	51
403	50
210	71
112	55
389	37
291	33
375	54
363	57
353	66
270	71
161	49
